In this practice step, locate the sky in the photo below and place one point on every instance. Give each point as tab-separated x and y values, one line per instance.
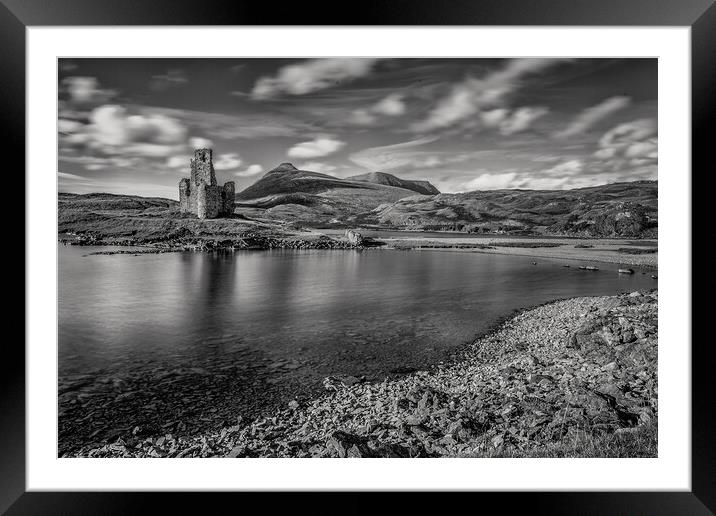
129	126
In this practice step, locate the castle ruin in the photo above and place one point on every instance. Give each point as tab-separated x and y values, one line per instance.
200	194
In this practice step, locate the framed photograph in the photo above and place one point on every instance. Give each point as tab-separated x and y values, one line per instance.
440	248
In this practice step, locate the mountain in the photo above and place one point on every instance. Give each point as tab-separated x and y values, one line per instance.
613	210
382	178
310	198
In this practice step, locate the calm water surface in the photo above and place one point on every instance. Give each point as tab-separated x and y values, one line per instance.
255	328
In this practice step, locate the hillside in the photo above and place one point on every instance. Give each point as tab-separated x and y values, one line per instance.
113	218
381	178
309	198
614	210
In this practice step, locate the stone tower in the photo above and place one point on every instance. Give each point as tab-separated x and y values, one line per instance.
200	194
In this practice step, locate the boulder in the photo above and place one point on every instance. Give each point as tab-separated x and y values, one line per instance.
354	238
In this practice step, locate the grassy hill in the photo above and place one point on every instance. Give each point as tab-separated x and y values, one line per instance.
313	199
619	209
130	218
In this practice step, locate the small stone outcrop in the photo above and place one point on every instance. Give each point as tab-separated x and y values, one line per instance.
354	238
200	194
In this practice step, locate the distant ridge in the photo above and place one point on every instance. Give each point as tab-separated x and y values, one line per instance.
628	209
383	178
287	179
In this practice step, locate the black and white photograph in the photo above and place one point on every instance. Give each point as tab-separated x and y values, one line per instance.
356	257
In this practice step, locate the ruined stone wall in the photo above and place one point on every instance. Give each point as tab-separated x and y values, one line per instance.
184	194
200	194
228	196
214	202
202	167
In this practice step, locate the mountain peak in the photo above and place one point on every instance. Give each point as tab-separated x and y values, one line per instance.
284	167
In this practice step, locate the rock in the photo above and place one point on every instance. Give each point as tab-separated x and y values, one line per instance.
354	238
237	451
416	420
341	442
498	440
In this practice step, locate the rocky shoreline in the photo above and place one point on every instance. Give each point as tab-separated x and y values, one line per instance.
247	242
550	381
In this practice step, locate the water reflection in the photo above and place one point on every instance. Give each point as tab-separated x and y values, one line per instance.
335	311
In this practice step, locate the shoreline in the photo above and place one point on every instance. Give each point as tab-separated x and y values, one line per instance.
615	251
613	258
564	371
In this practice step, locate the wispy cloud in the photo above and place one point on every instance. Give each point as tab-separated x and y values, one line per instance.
171	79
252	170
85	92
244	125
521	119
312	75
316	148
392	105
632	144
228	161
471	96
586	119
399	155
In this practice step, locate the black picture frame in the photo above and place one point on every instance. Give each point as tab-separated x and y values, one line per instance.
700	15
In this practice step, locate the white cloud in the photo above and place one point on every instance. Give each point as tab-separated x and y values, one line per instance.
362	117
112	125
645	149
252	170
628	133
68	126
590	116
390	157
471	96
312	75
65	175
197	142
115	132
494	117
521	119
319	147
573	166
178	161
630	145
392	105
228	161
607	153
86	91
